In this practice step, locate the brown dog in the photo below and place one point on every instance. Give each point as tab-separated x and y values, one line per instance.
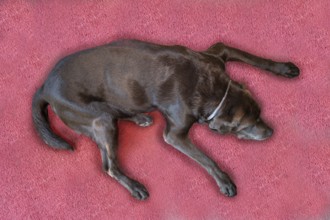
92	89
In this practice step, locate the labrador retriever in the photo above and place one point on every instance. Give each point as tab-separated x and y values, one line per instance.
92	89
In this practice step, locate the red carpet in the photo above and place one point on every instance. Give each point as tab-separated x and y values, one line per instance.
286	177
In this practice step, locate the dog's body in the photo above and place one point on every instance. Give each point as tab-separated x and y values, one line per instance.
92	89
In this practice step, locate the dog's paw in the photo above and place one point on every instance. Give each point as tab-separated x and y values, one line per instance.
144	121
229	190
288	70
138	191
227	187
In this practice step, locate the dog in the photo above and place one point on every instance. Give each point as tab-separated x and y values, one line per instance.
92	89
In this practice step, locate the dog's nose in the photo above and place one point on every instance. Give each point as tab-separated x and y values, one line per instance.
269	132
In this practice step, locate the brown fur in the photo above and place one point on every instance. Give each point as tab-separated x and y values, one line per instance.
92	89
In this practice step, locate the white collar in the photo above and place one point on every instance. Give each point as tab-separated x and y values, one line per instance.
212	115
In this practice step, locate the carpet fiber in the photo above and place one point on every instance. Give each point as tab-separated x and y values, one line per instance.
285	177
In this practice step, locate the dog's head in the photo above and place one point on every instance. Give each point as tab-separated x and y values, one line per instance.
240	116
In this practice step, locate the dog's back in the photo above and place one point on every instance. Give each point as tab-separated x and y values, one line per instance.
130	75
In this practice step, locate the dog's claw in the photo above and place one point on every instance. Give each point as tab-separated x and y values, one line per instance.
288	70
227	187
139	191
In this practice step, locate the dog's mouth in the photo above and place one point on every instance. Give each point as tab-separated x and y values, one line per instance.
258	130
255	134
245	136
219	131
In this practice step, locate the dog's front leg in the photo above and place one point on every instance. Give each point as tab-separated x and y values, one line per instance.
177	136
105	133
286	69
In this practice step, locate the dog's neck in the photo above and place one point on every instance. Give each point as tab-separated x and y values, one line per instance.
216	110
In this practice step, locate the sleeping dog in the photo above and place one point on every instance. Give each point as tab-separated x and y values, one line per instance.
92	89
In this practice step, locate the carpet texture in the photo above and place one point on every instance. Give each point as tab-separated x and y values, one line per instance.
285	177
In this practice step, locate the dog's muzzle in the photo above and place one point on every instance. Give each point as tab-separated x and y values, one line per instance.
258	132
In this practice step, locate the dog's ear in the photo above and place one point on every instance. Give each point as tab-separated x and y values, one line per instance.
238	115
216	49
247	92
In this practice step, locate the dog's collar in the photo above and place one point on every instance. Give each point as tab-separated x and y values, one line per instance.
212	115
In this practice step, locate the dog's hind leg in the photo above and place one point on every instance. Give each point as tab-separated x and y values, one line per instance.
102	128
227	53
105	133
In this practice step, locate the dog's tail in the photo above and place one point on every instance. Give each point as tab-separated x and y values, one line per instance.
41	123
